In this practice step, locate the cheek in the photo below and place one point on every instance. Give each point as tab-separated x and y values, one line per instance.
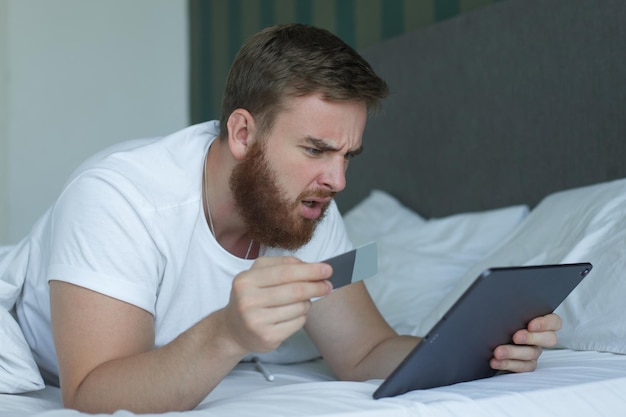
296	174
296	178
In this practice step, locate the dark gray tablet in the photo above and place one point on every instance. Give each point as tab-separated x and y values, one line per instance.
497	304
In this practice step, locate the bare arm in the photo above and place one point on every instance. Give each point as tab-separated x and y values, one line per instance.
105	347
353	337
107	361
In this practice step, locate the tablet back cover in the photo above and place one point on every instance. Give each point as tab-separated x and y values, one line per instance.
499	302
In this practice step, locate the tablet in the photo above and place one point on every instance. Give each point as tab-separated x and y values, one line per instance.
497	304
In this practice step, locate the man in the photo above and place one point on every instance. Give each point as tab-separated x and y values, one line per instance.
165	262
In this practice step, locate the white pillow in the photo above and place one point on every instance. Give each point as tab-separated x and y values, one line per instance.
379	214
419	261
586	224
18	370
13	261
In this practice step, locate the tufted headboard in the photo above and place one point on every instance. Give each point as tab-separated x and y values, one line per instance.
499	106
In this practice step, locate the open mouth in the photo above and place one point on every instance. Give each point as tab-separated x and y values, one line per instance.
312	209
313	205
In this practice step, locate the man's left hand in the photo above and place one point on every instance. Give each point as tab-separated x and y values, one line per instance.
528	344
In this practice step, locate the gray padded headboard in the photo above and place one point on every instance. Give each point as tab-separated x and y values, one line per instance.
499	106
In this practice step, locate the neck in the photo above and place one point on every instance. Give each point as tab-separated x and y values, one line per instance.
230	236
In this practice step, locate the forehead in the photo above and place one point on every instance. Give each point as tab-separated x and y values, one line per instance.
340	123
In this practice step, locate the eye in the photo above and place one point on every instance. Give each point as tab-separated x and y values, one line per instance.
313	151
352	154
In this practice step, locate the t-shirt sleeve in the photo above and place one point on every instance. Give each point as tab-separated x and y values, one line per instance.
101	240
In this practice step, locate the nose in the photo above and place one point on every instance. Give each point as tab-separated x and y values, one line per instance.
335	176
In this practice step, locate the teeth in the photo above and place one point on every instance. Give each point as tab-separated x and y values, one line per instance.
308	203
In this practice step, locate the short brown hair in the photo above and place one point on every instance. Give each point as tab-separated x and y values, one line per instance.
296	60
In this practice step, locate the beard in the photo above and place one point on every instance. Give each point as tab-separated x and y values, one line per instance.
271	218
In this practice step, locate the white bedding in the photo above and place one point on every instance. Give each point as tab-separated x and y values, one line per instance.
567	383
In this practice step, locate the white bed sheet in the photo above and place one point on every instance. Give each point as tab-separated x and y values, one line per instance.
566	383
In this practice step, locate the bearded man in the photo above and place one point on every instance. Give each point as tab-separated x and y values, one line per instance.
165	262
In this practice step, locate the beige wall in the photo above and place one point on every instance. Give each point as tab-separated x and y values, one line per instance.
75	77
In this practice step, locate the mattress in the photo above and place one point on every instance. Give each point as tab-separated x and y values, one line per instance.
566	383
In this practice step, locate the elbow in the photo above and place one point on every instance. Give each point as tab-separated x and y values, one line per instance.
71	400
354	373
68	398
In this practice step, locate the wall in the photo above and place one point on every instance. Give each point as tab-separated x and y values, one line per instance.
78	76
219	28
3	123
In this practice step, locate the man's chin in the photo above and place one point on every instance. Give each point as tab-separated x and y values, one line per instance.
292	240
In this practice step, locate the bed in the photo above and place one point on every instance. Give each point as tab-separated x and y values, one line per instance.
503	143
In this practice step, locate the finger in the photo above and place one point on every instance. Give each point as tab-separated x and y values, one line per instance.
278	333
515	358
289	270
543	339
265	320
549	322
285	313
280	295
512	365
262	329
514	352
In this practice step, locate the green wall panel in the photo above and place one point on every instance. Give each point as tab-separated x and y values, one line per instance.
219	27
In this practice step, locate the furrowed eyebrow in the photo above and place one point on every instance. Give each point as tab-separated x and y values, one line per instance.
356	152
322	145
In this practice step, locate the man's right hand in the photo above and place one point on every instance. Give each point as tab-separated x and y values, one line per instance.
270	301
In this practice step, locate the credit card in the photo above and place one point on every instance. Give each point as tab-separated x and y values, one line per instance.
354	265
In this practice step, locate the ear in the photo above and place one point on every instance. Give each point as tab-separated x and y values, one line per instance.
241	132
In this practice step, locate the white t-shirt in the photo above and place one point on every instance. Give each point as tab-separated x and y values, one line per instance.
130	224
